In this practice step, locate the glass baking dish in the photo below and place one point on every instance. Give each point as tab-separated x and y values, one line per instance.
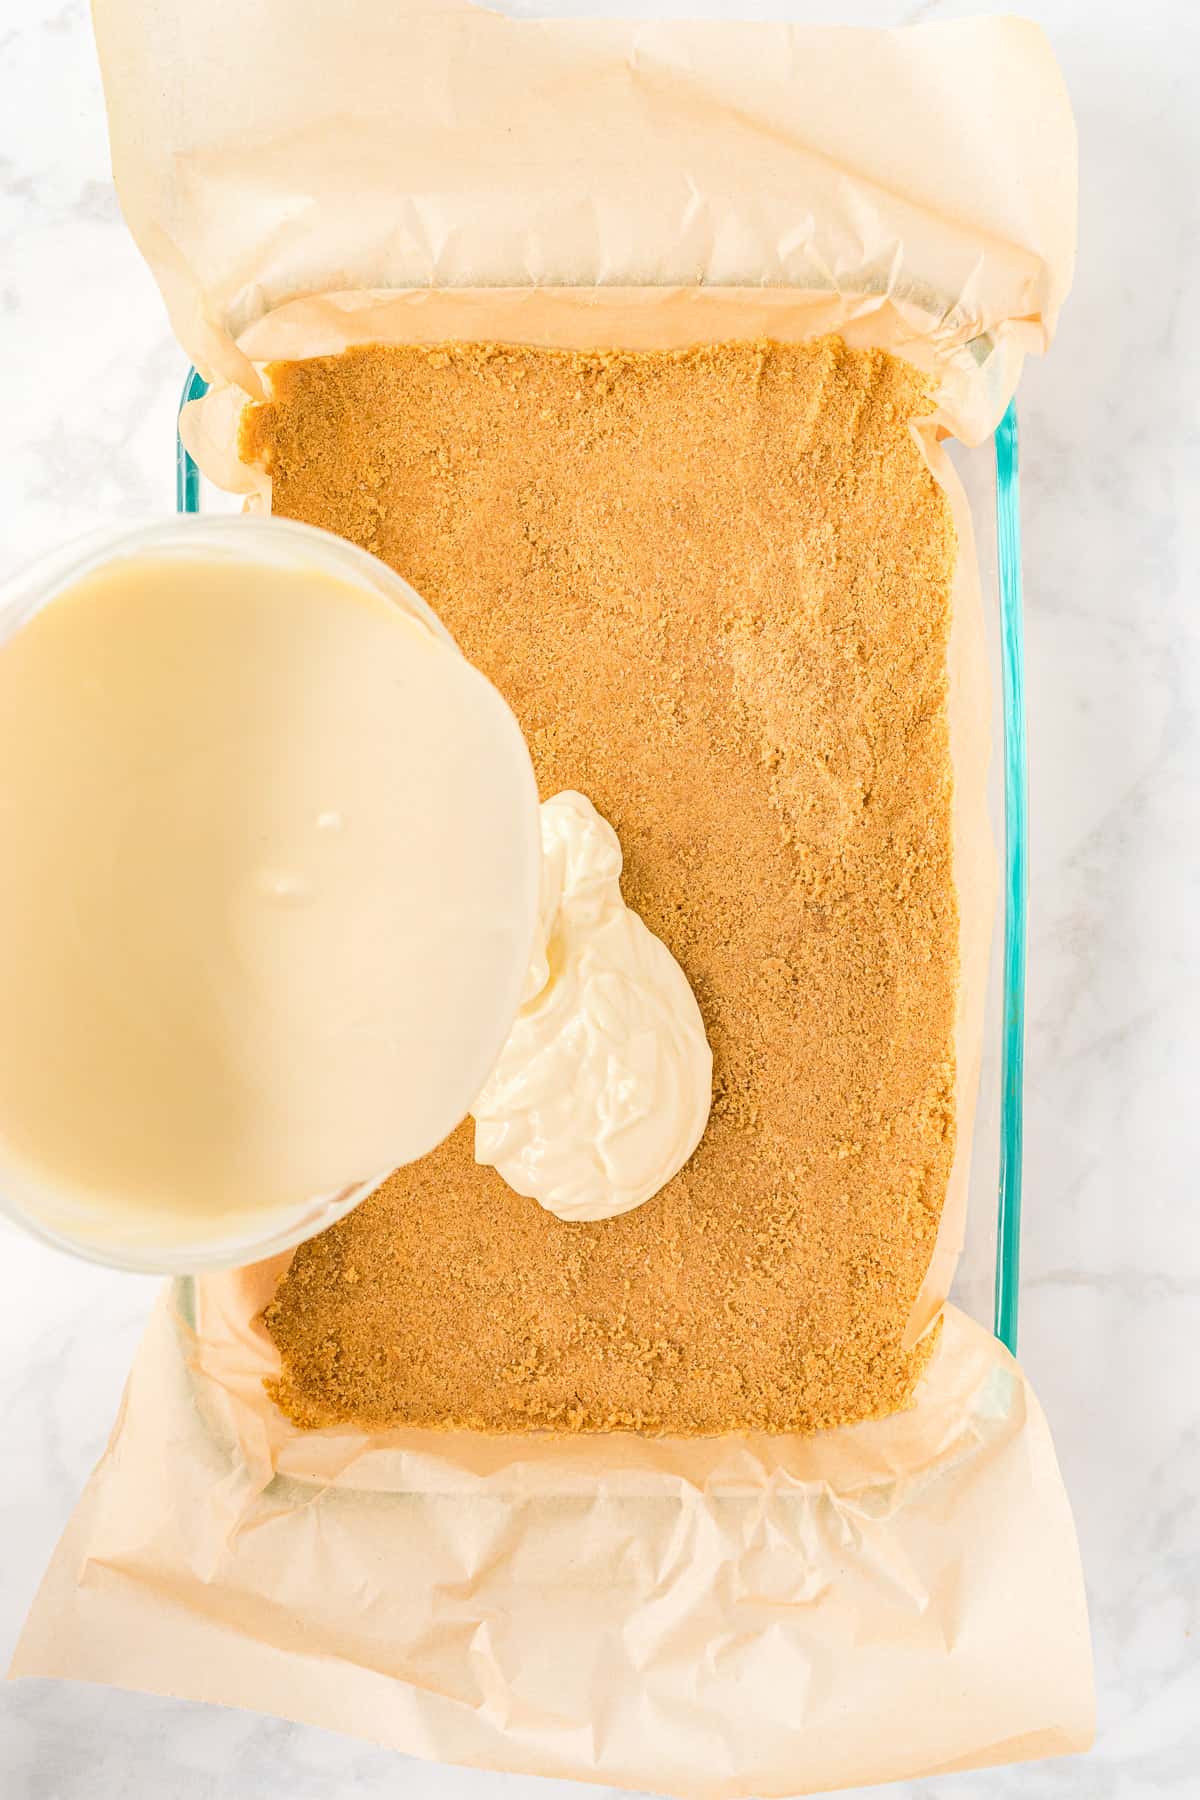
987	1282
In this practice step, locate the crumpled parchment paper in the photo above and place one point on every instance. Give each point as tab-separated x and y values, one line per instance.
715	1617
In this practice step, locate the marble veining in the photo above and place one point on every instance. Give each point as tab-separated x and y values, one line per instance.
1111	1296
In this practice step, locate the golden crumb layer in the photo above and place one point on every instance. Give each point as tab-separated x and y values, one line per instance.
714	585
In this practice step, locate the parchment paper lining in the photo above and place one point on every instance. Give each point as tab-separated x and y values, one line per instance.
715	1617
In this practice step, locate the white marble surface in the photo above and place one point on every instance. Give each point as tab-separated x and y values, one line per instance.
1111	1312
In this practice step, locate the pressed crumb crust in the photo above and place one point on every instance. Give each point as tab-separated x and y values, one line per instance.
714	585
